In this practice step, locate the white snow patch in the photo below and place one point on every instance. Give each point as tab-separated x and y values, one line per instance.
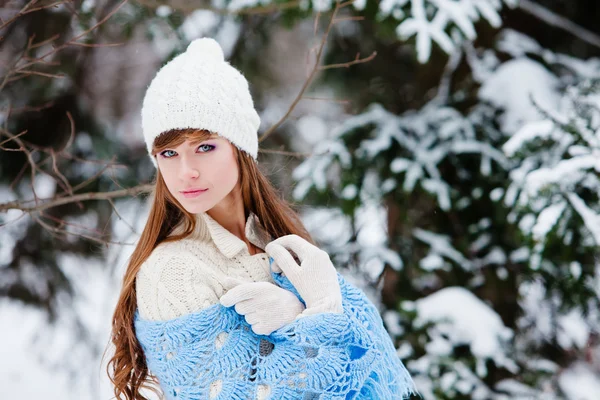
511	86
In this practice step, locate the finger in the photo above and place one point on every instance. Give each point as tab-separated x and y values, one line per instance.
231	282
245	307
262	329
239	293
297	244
251	317
274	267
282	257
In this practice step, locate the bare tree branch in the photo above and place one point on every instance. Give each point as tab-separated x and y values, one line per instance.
291	153
60	231
49	162
343	101
198	5
114	207
44	204
26	9
357	60
317	67
22	69
23	109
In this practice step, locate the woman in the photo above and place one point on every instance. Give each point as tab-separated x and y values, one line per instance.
212	306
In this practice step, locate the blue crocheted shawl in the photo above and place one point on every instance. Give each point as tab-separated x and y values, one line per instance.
321	356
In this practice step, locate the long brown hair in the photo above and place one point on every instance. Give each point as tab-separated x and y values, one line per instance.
127	368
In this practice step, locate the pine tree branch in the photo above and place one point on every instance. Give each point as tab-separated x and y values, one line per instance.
552	18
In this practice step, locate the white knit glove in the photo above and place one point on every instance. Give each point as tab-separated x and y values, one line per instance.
315	278
265	306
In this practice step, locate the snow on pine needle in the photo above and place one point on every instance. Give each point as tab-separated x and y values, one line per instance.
557	181
419	141
444	22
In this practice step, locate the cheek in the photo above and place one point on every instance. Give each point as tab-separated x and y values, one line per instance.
168	176
225	172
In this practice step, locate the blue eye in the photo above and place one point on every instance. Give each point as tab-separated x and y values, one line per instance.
173	153
164	153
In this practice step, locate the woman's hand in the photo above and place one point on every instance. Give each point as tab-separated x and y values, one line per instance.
265	306
315	278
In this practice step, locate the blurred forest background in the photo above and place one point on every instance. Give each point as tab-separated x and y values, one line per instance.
446	153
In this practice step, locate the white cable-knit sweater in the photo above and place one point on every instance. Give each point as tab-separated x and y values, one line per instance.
184	276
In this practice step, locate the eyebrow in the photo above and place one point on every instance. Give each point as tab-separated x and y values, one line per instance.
210	137
197	142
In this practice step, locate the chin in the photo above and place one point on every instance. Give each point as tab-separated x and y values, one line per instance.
194	208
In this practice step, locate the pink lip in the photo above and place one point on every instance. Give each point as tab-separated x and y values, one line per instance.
189	194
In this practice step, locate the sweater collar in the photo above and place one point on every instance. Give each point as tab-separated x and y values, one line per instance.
230	245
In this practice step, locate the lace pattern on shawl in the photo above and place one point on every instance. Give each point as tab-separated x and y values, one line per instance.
213	354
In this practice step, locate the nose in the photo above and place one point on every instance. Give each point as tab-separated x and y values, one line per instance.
188	169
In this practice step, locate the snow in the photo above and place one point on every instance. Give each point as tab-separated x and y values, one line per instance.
517	44
349	192
460	13
392	321
558	161
496	194
496	256
25	374
44	186
88	5
429	136
63	360
511	88
432	262
321	5
536	129
590	218
163	11
565	172
312	128
388	185
13	229
440	245
519	255
542	316
371	224
199	23
587	69
574	331
481	242
327	226
462	318
516	390
40	353
236	5
547	219
580	382
224	29
439	188
333	230
83	142
575	269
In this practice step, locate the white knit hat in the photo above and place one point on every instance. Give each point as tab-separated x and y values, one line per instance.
199	89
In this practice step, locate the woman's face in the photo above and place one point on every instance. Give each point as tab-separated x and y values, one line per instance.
199	176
